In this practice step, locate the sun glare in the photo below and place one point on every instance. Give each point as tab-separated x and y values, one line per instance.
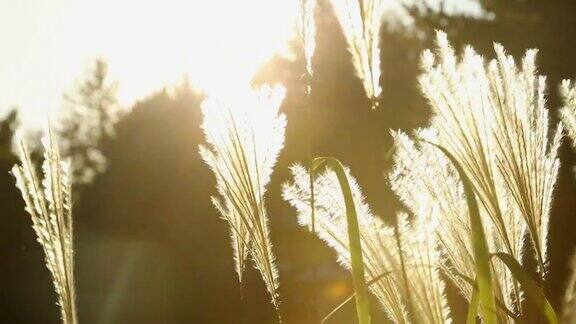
219	45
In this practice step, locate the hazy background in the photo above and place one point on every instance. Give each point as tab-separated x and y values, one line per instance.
46	44
149	246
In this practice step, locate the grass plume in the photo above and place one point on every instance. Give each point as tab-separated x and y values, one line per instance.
492	117
379	247
49	203
244	140
423	177
361	21
353	232
307	30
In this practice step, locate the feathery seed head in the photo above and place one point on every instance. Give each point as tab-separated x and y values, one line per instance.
492	117
244	139
379	247
307	31
48	201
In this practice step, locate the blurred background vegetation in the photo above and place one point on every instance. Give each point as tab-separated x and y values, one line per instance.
150	248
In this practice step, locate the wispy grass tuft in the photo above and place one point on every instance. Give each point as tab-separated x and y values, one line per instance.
492	117
361	21
425	289
479	247
244	139
353	231
307	30
533	291
423	177
49	203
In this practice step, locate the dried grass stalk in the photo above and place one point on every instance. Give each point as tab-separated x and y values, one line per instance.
244	140
48	201
493	118
361	21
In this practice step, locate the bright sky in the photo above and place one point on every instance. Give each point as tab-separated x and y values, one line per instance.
46	44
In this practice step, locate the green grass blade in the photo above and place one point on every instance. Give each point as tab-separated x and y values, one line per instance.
529	286
499	304
337	308
356	259
473	307
479	246
347	300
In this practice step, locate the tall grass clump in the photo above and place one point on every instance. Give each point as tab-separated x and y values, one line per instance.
353	230
484	184
424	177
420	298
243	142
49	203
491	116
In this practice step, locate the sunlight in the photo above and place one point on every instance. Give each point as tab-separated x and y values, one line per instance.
219	44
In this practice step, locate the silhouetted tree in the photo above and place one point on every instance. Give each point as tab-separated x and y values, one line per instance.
88	115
